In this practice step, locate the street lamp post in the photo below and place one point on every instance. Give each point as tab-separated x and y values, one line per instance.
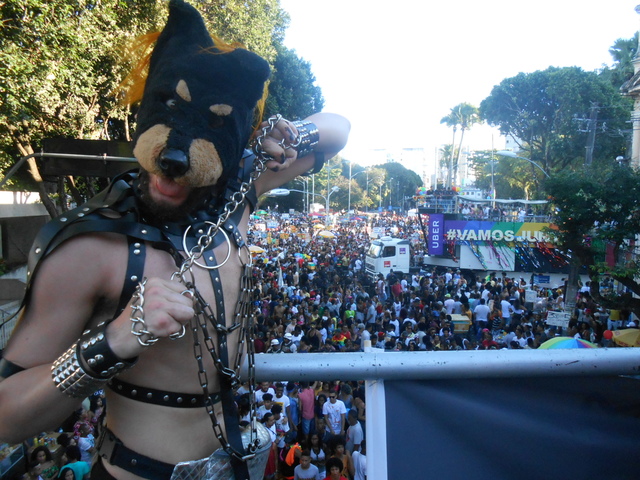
305	199
334	189
493	182
510	154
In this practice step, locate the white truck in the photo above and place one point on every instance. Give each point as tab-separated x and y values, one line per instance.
386	254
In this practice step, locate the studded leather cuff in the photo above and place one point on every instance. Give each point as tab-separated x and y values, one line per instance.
308	137
97	357
70	378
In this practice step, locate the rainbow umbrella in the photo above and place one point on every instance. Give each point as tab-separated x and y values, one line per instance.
567	342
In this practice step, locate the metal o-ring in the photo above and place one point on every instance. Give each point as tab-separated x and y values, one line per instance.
205	266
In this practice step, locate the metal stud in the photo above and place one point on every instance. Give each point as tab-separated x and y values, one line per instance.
134	278
136	251
38	250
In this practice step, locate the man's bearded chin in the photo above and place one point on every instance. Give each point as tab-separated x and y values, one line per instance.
171	213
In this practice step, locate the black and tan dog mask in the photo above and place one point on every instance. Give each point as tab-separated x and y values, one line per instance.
196	113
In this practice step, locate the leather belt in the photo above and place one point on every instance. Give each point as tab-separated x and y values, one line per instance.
160	397
115	452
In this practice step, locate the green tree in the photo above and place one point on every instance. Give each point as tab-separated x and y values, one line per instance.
259	25
61	61
292	90
623	51
542	110
599	212
404	183
57	69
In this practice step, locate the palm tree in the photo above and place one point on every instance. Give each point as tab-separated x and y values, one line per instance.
463	115
451	120
468	117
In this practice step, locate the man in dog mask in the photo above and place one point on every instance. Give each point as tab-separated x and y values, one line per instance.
115	284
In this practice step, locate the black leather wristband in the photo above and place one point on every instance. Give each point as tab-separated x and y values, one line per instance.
97	356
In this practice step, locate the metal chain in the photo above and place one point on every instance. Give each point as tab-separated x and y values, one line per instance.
261	157
243	315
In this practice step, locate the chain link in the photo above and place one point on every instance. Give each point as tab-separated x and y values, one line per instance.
243	314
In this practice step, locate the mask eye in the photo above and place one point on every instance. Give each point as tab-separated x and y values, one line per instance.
216	121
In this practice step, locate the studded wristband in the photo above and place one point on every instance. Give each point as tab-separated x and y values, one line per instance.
88	365
308	137
70	378
96	354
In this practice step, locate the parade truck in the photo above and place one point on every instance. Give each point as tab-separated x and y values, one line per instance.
517	248
386	254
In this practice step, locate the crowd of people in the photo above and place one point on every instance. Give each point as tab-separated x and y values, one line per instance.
312	294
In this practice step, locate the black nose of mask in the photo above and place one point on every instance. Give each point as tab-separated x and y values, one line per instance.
173	163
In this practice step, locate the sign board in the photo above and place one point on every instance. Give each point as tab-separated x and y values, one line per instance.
530	296
559	319
542	280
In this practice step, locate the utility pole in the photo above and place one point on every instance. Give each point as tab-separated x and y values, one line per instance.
591	137
574	264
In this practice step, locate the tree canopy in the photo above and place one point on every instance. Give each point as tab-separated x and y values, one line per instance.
61	61
58	67
292	90
549	113
598	220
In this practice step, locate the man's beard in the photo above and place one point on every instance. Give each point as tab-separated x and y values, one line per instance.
170	213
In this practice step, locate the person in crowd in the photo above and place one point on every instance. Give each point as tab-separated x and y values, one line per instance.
337	450
318	452
43	462
334	469
80	469
335	413
195	119
360	462
306	470
355	433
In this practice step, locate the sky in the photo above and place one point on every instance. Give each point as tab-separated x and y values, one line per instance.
394	68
